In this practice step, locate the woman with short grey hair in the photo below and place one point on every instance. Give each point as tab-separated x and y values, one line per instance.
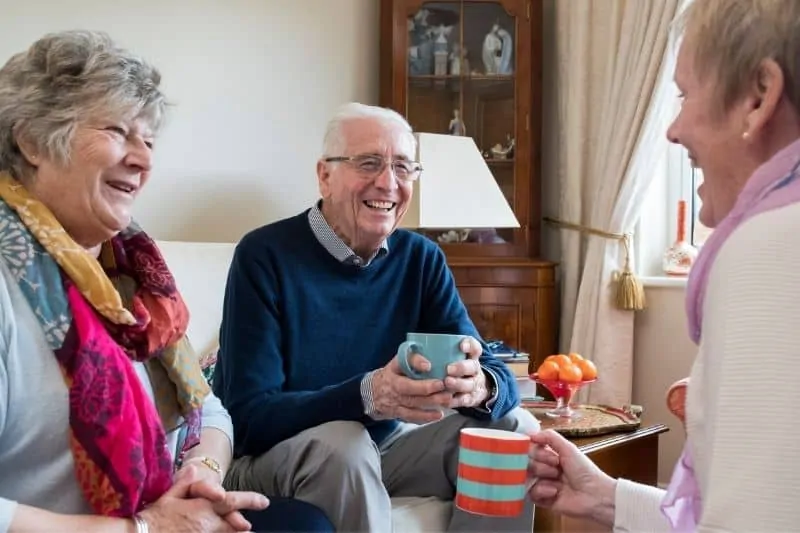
738	73
106	422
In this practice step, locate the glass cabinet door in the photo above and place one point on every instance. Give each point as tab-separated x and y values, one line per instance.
462	80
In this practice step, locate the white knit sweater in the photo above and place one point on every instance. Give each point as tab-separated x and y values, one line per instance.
744	394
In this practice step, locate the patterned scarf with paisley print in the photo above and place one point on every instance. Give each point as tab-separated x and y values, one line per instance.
98	316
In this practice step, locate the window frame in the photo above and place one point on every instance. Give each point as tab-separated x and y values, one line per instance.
674	179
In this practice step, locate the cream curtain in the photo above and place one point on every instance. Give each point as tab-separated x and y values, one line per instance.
607	62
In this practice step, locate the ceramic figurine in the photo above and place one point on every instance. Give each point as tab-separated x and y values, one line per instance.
498	49
420	50
504	152
504	65
492	45
440	53
458	60
456	126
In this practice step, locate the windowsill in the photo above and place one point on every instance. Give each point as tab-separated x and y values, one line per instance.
663	281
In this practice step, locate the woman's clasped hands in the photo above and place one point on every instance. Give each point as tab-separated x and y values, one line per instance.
198	503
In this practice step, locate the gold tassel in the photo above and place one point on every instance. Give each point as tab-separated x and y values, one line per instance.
630	292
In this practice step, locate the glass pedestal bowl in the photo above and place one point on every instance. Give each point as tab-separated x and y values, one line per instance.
563	392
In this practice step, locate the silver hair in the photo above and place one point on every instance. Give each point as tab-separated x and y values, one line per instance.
62	80
334	143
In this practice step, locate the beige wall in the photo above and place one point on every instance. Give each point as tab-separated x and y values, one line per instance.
663	354
252	82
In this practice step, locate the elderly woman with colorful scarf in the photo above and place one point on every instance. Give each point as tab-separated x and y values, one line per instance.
106	422
738	72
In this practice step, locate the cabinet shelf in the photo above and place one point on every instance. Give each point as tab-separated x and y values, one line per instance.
465	77
474	68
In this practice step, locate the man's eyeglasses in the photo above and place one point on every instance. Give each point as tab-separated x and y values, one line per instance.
371	166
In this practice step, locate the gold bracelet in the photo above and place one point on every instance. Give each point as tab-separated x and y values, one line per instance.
210	462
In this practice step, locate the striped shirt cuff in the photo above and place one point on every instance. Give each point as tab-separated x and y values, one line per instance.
366	395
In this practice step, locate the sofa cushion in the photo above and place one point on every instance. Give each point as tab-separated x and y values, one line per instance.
201	271
420	514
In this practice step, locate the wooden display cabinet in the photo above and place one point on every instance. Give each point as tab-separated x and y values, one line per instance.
473	67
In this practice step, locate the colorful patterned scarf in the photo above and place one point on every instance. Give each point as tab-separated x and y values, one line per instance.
98	317
774	184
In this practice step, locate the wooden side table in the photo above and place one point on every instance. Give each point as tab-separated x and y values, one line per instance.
632	455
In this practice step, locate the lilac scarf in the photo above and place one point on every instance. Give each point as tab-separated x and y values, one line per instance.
774	184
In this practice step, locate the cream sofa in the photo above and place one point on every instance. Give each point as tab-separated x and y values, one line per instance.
200	271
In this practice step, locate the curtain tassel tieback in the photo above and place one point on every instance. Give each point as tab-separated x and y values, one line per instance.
630	292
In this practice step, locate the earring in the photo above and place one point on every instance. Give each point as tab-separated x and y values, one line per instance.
746	136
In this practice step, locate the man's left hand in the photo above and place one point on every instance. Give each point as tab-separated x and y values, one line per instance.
466	378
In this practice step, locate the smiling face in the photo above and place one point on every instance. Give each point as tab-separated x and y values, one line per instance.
713	137
92	194
364	211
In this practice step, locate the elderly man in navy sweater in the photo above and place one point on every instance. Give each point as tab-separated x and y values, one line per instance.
315	308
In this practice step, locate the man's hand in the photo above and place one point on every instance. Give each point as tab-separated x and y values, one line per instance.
396	396
466	379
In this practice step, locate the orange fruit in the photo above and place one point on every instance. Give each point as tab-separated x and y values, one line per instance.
548	370
588	369
570	373
561	359
575	357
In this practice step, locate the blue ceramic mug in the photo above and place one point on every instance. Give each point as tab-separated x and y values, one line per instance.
440	349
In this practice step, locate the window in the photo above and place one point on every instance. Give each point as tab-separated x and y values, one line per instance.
657	228
673	179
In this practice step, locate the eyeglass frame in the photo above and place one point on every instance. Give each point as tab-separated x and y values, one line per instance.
385	162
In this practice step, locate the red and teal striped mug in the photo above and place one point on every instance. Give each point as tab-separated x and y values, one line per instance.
492	472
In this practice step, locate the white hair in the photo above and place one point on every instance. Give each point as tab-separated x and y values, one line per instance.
334	143
62	79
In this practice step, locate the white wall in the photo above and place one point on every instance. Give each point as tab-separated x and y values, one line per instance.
253	83
663	354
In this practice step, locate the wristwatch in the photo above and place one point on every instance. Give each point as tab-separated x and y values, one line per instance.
491	389
491	386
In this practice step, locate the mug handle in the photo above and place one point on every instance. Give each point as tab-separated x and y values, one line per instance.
404	351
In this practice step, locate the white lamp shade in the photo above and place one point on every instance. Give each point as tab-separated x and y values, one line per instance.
456	189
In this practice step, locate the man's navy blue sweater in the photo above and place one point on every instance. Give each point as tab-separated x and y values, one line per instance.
300	330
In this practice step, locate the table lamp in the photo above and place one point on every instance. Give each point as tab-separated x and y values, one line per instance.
456	188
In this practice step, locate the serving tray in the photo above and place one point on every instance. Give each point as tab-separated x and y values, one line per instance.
591	420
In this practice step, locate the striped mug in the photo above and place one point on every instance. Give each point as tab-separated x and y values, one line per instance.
492	472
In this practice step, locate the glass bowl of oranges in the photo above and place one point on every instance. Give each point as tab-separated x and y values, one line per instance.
563	375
